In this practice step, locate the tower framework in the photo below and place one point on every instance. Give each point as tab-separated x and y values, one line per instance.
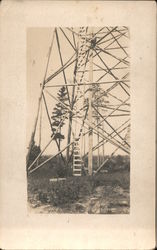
85	99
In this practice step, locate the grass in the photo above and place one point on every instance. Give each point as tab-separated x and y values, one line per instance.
111	187
70	190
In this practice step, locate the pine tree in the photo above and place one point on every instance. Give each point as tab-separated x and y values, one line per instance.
59	112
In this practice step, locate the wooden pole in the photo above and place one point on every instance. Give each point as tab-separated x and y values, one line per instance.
87	83
40	125
98	139
98	157
103	145
90	136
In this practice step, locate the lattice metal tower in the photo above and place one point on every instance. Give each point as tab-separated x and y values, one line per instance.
91	66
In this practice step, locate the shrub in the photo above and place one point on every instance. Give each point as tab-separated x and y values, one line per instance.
113	179
70	190
73	188
59	170
64	192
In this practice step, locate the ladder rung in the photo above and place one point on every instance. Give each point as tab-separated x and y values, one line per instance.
77	174
77	170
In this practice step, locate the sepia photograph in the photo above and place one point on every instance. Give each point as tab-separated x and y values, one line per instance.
77	130
78	120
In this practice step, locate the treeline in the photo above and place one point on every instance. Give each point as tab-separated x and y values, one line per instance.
57	168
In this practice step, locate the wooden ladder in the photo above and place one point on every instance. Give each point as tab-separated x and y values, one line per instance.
77	161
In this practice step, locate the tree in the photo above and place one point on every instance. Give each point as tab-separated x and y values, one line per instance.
59	112
35	151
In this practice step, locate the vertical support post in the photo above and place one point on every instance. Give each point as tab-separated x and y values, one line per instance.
98	139
90	138
40	124
103	146
98	159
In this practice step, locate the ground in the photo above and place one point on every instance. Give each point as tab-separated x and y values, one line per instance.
105	193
